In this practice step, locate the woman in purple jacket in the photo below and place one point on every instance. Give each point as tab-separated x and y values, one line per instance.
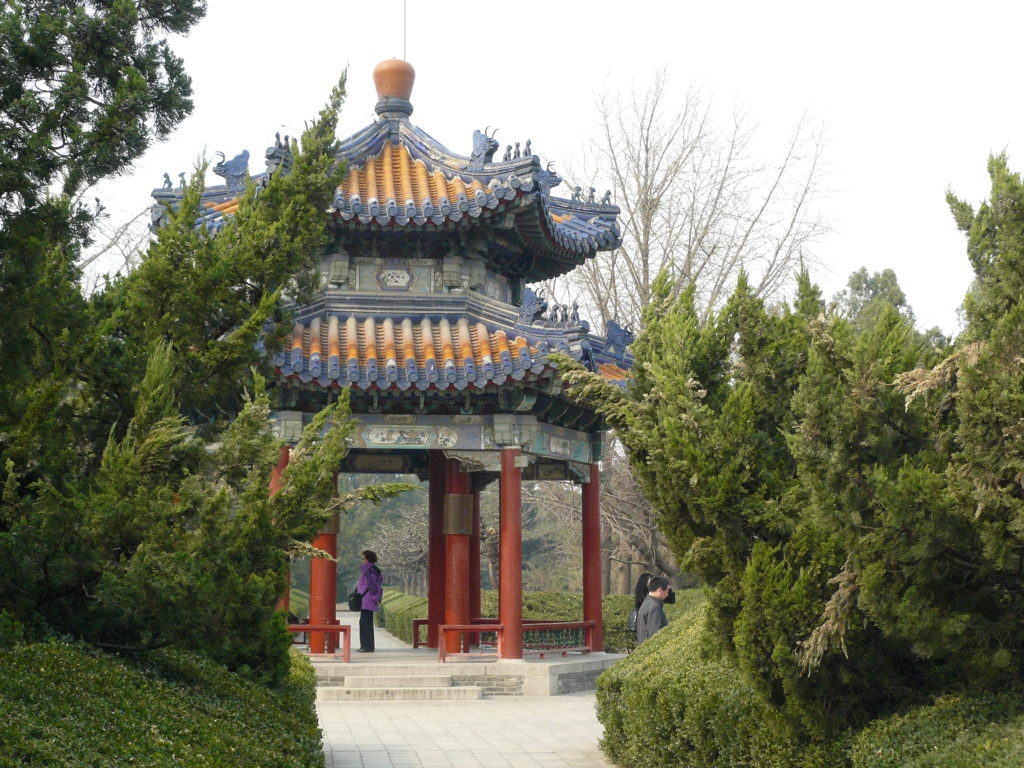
371	587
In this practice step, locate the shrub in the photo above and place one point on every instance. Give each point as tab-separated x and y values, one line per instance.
665	706
71	706
298	602
569	607
399	611
960	730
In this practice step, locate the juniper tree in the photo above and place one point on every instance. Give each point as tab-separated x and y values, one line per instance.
85	87
120	521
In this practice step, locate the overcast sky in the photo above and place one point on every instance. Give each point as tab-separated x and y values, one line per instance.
912	97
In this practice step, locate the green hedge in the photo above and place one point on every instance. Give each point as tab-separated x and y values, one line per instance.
398	610
569	607
667	707
962	730
298	602
71	706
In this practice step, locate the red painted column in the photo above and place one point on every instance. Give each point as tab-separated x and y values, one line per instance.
474	560
510	612
592	556
458	528
275	485
323	591
435	545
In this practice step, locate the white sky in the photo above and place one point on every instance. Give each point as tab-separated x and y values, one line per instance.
913	96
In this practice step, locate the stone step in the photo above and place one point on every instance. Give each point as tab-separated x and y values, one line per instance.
336	671
341	693
398	681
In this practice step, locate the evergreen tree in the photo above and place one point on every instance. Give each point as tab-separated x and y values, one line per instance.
981	405
85	87
854	501
704	423
122	523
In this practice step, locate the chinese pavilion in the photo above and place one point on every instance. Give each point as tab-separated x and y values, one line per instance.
425	314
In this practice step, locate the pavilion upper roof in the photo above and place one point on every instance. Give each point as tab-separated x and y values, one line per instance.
399	178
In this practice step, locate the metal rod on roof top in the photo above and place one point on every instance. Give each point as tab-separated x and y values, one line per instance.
404	6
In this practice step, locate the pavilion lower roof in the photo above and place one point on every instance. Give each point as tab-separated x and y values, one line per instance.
422	353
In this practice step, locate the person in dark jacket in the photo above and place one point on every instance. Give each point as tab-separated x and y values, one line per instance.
371	587
640	592
651	616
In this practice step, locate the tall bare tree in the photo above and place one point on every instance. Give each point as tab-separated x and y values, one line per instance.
694	202
698	203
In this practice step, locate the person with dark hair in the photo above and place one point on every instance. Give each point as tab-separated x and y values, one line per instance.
640	592
651	616
371	588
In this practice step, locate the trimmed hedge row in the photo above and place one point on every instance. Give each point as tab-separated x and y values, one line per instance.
667	707
72	706
962	730
566	606
398	610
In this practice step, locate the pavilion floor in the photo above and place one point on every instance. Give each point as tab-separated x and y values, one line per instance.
532	676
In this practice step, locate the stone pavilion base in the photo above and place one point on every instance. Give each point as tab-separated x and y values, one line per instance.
406	673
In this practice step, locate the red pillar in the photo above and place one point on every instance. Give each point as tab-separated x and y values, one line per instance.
435	545
592	556
510	611
474	560
275	485
457	530
323	590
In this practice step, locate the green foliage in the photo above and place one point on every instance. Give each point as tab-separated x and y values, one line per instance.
979	729
211	297
995	247
865	296
399	611
704	425
856	513
85	88
12	631
120	521
667	706
71	706
175	543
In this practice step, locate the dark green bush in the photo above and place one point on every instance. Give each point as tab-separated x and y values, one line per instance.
12	631
960	730
666	706
71	706
399	611
569	607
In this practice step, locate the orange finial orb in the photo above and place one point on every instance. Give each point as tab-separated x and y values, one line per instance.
393	79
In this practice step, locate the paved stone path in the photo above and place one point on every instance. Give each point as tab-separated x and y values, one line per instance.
517	732
502	732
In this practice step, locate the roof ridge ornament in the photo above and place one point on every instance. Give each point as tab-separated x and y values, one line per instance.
394	79
484	147
234	171
547	178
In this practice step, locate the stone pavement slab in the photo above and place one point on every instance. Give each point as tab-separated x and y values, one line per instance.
501	732
505	732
